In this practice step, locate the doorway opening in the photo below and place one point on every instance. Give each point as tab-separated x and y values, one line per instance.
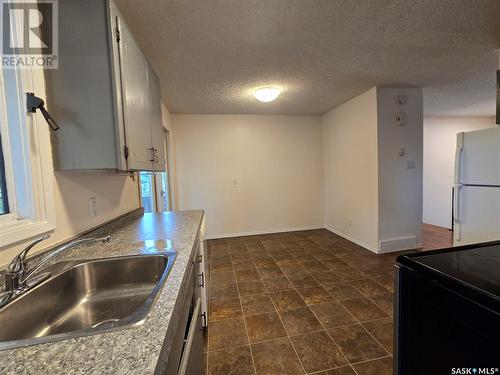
154	187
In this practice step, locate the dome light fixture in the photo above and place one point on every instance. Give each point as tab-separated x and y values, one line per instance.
266	94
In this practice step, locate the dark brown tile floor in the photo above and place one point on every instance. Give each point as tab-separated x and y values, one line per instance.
307	302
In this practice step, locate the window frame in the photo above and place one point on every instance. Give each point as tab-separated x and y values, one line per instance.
28	148
3	183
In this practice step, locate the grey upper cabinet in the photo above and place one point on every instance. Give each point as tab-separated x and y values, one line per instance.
157	132
105	96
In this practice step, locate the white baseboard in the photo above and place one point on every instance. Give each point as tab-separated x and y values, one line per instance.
258	232
357	242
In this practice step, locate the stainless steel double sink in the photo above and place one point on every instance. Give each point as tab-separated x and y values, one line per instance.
85	297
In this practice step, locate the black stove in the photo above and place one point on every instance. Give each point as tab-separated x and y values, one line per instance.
447	311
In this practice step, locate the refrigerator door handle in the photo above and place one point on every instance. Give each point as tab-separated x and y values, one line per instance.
458	158
456	211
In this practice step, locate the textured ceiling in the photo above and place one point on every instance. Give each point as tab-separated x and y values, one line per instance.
211	54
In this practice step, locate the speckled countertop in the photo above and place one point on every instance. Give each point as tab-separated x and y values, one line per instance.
133	350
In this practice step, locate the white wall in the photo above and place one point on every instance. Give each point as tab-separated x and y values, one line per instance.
400	187
440	135
251	173
351	169
370	195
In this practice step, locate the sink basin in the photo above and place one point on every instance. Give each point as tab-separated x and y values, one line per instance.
85	297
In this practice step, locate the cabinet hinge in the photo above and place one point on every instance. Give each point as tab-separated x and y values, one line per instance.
117	31
125	151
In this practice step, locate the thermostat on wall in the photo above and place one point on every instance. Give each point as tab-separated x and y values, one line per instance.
402	99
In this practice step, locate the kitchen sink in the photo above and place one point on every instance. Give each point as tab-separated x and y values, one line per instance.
85	297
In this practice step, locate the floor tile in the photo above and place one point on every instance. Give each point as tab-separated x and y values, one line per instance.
356	343
348	273
314	266
247	275
293	269
317	351
221	264
233	361
303	256
224	309
264	262
335	264
270	273
383	331
222	289
287	299
300	320
368	287
342	291
265	326
328	277
227	333
247	288
302	281
315	295
256	304
387	281
283	258
244	266
221	277
332	314
276	357
346	370
363	309
377	367
277	284
385	302
378	269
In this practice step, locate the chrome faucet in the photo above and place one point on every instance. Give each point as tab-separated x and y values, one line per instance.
18	279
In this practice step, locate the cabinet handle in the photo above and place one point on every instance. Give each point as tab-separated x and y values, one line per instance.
204	316
154	155
202	275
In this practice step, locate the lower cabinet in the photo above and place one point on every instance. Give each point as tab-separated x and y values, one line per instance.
186	353
192	355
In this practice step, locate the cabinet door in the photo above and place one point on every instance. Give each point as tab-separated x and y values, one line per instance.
135	99
157	132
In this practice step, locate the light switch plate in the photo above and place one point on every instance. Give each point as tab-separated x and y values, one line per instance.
93	206
410	164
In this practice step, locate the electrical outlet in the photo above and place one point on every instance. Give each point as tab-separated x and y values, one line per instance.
93	206
235	181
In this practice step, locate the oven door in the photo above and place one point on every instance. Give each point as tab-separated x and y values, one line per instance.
438	331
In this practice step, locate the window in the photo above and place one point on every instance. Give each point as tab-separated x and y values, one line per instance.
26	172
154	191
147	191
4	202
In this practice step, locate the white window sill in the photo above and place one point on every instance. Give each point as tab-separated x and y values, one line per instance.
13	231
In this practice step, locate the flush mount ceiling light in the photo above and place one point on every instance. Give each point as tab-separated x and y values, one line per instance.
266	94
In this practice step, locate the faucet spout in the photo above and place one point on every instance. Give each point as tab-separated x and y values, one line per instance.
59	250
18	279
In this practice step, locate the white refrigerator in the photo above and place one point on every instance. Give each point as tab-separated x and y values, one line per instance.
476	203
